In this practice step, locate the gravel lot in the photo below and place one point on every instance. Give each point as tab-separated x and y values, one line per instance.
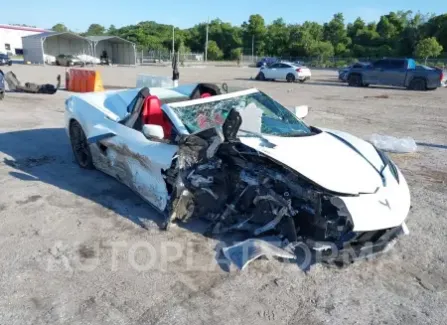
72	240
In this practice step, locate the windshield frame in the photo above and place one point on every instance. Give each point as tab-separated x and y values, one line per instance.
182	129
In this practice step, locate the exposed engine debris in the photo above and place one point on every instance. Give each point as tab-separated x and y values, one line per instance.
239	189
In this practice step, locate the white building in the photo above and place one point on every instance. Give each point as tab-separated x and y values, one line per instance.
11	38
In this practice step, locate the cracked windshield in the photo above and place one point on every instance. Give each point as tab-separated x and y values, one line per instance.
260	114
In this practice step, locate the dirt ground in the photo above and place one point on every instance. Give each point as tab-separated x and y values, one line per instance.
80	248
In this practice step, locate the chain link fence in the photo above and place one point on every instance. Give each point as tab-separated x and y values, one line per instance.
165	56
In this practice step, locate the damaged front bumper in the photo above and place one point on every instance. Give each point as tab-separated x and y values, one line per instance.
360	246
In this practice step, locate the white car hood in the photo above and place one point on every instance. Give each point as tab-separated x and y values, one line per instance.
326	160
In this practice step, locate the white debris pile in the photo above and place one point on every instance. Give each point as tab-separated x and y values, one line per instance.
149	81
89	59
49	59
393	144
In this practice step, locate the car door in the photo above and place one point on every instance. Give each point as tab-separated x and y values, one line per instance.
271	71
396	73
136	161
375	74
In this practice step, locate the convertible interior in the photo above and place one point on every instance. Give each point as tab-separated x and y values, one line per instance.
147	108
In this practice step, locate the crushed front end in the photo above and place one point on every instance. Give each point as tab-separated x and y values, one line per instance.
237	188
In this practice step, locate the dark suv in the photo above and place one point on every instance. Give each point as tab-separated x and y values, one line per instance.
395	72
4	59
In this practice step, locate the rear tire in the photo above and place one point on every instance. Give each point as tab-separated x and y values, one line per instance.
290	77
355	80
10	63
80	146
418	84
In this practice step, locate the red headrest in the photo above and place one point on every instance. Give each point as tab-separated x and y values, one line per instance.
153	114
204	95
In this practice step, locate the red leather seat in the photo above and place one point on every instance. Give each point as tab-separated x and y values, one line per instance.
204	95
153	114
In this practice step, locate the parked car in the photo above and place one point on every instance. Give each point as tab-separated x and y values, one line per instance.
343	72
5	60
266	61
284	71
395	72
242	161
68	60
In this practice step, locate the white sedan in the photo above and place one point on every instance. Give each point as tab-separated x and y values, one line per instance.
245	162
290	72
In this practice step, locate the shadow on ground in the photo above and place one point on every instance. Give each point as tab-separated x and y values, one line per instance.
316	82
432	145
45	155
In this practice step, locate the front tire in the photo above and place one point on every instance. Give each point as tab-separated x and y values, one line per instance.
290	77
302	80
355	80
80	146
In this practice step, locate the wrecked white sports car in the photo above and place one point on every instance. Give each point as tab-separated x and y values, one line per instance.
243	161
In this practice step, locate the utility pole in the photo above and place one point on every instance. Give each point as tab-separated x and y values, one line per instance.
173	40
206	40
253	48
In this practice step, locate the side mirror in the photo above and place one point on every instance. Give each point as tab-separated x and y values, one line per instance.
153	131
301	111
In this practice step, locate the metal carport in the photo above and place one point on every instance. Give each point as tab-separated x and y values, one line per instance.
119	50
36	47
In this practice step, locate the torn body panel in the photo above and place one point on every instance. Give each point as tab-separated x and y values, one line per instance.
134	166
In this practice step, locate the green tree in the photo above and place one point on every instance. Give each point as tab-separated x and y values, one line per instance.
214	52
60	28
336	33
394	34
236	53
254	31
277	38
428	47
322	49
304	37
95	30
225	35
112	30
437	27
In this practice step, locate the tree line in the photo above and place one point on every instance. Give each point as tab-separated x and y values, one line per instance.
401	33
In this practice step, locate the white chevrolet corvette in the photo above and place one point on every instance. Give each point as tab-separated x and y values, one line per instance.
243	161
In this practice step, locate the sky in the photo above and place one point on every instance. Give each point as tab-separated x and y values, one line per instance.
77	15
